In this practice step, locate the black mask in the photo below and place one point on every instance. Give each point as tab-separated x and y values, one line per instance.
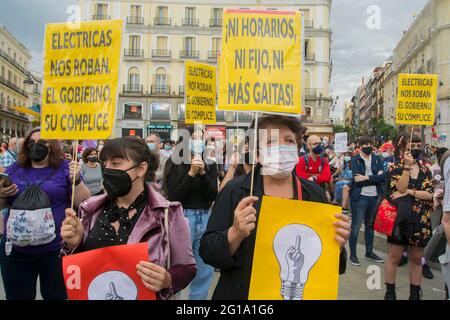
37	152
117	183
367	150
318	150
416	153
92	159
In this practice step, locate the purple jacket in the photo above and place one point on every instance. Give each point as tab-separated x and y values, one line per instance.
150	228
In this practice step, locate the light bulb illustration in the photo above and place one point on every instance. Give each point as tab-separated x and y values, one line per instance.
297	248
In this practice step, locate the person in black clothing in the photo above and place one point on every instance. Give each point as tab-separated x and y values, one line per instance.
229	241
194	184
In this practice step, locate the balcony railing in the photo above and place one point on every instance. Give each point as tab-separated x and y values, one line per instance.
162	21
189	54
135	20
133	89
12	86
311	92
4	55
215	23
189	22
181	91
161	53
213	55
100	17
134	53
310	57
160	90
11	110
309	24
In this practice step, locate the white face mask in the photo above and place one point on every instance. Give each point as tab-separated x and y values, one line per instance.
279	161
385	155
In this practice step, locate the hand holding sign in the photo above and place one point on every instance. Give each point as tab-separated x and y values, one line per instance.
74	169
245	217
154	277
72	229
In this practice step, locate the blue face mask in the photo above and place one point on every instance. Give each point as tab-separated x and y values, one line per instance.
197	146
167	147
318	150
151	146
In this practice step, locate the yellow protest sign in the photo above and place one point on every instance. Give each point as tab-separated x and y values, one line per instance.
81	74
261	61
296	256
416	99
200	91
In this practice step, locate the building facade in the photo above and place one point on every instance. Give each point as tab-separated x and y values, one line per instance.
424	48
161	35
14	61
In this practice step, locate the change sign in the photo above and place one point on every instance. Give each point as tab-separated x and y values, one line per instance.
261	61
81	73
416	99
200	90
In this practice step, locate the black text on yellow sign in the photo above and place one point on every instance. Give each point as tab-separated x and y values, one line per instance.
200	90
81	73
416	99
260	65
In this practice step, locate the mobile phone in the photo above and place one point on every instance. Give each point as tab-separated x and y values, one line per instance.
6	179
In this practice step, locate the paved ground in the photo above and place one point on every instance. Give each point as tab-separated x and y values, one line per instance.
353	284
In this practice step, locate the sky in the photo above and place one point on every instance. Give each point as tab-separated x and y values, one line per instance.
356	48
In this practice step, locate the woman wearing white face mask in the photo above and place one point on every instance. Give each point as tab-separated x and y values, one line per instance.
229	240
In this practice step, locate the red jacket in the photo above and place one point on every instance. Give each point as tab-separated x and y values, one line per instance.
323	176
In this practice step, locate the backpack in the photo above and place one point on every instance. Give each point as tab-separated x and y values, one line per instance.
30	220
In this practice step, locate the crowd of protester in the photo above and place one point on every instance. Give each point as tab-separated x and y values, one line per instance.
127	190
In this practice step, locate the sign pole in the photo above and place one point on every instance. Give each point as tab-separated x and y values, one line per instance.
254	153
74	158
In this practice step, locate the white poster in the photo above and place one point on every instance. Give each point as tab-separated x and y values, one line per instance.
340	142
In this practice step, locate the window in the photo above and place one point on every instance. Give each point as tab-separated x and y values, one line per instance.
132	111
3	72
136	11
217	14
162	16
160	82
189	44
9	76
135	42
161	43
216	44
102	9
133	76
216	17
163	12
190	17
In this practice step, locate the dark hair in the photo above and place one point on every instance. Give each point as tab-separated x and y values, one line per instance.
55	156
439	153
292	123
86	154
134	149
365	140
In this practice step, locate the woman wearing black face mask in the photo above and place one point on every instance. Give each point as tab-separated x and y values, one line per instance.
92	171
133	212
240	164
411	184
40	162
